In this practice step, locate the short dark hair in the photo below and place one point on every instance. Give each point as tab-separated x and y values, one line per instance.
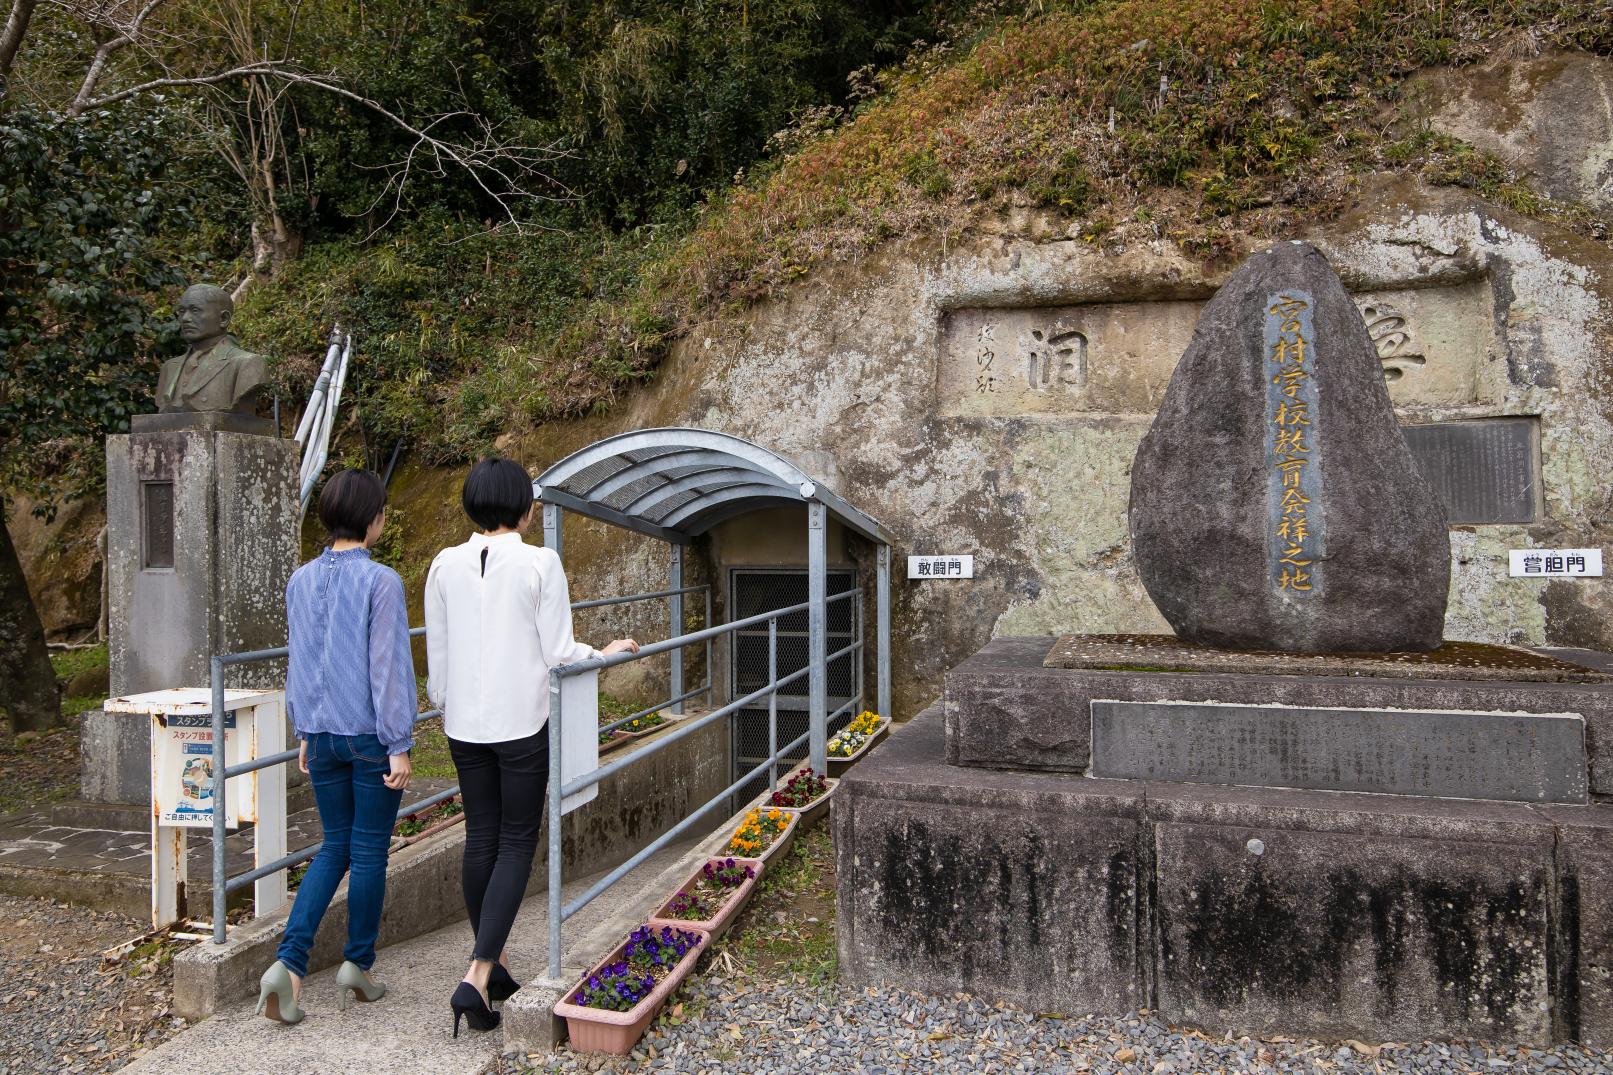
498	493
350	502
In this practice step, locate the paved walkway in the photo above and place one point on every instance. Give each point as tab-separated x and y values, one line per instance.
410	1031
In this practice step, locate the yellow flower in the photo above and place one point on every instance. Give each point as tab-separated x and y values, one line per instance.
773	815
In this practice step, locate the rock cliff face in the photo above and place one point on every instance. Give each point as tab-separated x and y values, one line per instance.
1274	503
1549	115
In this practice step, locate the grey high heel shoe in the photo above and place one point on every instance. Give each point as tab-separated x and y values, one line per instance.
352	982
277	998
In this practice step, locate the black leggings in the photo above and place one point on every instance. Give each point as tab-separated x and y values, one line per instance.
503	785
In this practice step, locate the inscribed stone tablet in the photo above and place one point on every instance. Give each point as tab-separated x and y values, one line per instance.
1520	757
1486	470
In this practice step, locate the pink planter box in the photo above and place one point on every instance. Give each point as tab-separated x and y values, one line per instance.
838	766
719	924
597	1030
814	810
781	844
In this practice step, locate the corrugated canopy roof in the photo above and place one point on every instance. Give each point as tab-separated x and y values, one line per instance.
674	484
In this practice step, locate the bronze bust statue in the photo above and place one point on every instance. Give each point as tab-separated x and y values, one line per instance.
216	373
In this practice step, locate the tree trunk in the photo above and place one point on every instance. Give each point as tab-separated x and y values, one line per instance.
27	681
16	28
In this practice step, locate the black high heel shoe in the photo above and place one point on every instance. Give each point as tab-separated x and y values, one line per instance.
500	986
467	1002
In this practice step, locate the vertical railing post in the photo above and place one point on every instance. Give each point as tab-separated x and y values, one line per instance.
882	643
711	695
772	704
675	572
554	821
220	800
817	633
553	516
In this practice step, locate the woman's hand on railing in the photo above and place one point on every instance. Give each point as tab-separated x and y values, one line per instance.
398	778
621	645
302	755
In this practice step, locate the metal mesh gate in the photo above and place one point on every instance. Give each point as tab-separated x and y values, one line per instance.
758	590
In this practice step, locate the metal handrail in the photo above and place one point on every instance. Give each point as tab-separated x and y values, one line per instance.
224	884
559	909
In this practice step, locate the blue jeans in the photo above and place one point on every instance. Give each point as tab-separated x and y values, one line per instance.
357	813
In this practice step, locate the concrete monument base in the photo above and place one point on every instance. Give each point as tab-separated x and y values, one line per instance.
202	536
1258	910
1005	709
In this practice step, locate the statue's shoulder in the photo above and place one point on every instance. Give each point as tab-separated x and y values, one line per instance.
230	349
248	362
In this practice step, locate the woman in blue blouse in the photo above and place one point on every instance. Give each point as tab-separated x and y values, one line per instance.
350	688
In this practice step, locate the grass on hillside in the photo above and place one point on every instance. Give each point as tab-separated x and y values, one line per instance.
71	664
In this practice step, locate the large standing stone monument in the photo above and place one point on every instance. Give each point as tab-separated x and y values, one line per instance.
201	538
1274	503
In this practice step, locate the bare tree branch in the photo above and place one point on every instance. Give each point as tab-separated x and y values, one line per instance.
125	35
16	28
261	67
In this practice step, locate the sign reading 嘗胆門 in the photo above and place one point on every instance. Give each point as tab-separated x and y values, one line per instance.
1555	563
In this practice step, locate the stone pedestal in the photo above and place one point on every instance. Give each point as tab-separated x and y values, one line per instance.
979	851
202	536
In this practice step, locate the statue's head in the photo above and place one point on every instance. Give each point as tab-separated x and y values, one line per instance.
204	315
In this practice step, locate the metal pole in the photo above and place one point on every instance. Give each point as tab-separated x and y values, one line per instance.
772	704
552	517
710	668
817	633
220	795
882	652
554	813
675	603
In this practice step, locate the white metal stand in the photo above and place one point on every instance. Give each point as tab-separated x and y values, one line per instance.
184	786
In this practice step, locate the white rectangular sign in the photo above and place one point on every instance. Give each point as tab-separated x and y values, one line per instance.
960	566
182	756
1555	563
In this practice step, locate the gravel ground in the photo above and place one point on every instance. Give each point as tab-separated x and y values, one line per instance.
61	1010
767	1000
776	1027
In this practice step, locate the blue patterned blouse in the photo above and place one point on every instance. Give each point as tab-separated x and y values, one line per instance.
351	672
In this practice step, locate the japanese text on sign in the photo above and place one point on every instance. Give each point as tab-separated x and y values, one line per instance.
1555	563
941	567
1294	480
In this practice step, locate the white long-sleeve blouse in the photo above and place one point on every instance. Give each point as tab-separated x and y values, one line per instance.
498	617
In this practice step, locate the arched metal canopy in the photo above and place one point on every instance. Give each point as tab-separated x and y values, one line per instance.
675	484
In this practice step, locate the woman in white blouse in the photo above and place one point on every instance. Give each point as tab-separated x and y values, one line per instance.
498	617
